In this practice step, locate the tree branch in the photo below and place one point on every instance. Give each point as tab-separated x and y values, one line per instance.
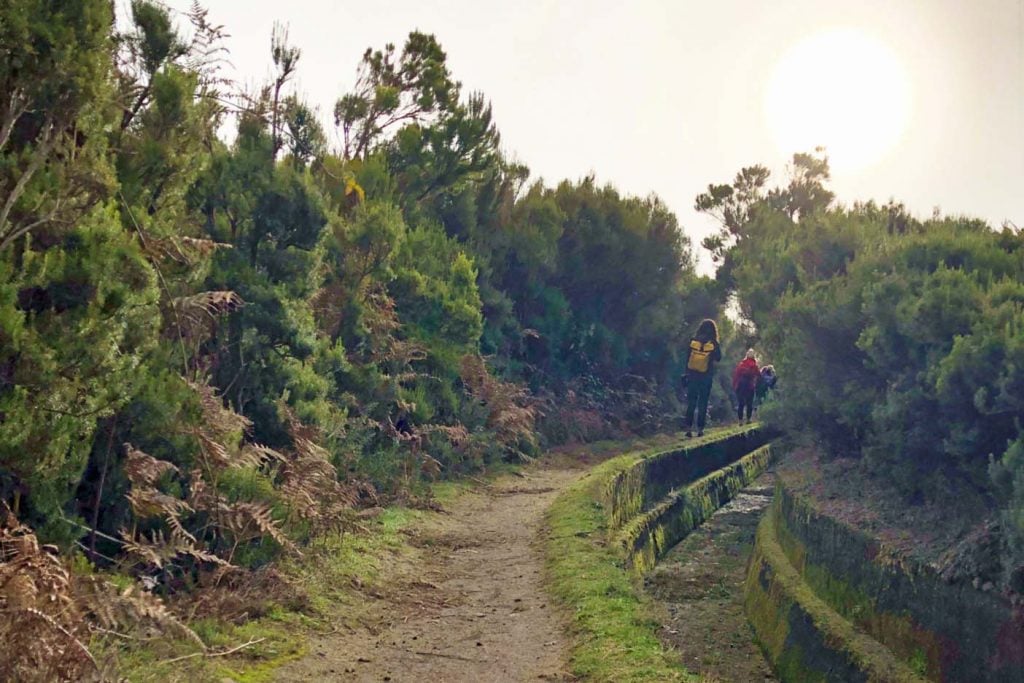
48	138
18	232
11	115
254	641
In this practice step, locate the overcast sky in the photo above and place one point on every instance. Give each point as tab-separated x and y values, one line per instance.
669	96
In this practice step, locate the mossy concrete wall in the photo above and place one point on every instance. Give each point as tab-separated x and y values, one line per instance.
614	633
646	483
947	632
804	638
647	537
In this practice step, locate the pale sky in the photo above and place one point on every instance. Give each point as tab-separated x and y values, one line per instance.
669	96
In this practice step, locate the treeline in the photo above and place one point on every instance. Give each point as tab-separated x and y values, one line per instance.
210	350
900	341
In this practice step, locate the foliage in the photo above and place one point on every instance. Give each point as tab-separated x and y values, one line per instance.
896	339
49	609
211	351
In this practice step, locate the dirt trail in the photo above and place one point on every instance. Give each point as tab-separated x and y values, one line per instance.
473	608
700	584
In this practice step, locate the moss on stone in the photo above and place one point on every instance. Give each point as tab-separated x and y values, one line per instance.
942	631
800	633
614	634
647	538
650	477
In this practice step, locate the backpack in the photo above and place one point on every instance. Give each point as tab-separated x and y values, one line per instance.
700	355
746	376
766	380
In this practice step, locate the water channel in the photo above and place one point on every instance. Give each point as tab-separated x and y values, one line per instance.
700	585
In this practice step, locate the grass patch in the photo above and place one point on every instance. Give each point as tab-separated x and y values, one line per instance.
334	572
614	631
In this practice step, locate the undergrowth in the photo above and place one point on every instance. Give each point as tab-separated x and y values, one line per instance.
327	587
331	581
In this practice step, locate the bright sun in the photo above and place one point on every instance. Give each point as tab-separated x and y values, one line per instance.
842	90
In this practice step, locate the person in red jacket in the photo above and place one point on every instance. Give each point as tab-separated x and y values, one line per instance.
744	383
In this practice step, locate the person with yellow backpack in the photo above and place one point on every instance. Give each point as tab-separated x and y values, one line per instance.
701	355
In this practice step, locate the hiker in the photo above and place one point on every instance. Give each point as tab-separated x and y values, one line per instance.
745	379
701	355
765	382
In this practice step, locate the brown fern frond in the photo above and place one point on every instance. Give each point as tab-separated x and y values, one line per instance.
204	306
256	455
128	609
201	246
430	466
512	414
218	419
42	625
160	549
215	452
148	502
457	435
146	552
185	251
178	529
143	469
309	482
251	520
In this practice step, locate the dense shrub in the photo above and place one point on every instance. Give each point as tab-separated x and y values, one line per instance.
898	341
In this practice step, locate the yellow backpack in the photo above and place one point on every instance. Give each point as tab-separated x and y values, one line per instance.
700	355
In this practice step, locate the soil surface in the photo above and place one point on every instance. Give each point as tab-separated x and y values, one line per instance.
956	532
700	585
470	607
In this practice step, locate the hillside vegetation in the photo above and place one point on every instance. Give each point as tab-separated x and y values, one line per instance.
901	342
221	335
211	350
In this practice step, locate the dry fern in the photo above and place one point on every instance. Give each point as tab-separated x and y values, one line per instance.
183	251
196	317
41	627
511	415
208	305
47	613
310	482
129	609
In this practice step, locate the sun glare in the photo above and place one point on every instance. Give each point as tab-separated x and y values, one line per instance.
843	90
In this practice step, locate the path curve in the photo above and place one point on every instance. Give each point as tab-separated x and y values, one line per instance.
476	608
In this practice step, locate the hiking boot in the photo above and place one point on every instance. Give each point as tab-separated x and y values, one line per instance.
689	433
700	433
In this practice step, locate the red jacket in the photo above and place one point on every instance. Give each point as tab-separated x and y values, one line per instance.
744	377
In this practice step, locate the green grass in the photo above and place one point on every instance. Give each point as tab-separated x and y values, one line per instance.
445	492
613	626
614	631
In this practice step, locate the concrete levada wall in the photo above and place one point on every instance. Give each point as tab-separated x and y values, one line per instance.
805	640
823	596
646	484
650	535
952	631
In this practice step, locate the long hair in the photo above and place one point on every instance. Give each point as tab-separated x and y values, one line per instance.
707	331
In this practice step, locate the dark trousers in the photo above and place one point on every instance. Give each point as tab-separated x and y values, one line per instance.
698	391
744	400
